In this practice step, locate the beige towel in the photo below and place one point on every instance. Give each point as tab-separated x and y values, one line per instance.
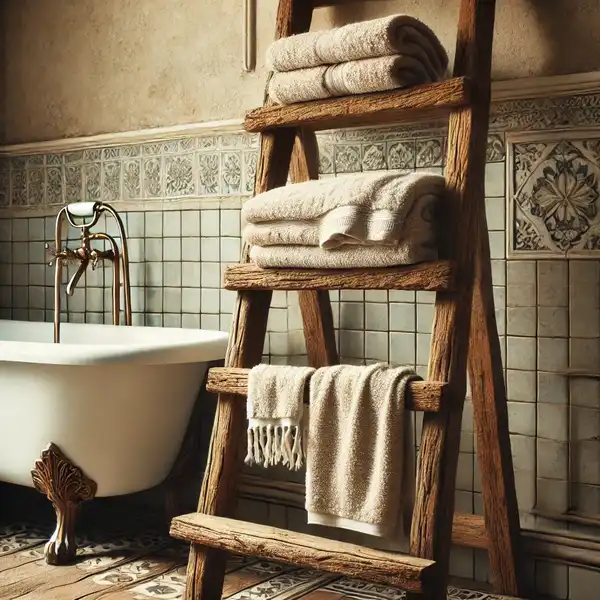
275	408
356	455
397	34
356	77
356	257
372	192
350	226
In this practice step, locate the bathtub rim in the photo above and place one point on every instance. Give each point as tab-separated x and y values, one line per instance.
193	346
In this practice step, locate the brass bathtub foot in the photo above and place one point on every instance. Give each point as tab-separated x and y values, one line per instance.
66	487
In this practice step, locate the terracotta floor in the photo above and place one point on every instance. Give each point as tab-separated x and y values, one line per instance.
137	567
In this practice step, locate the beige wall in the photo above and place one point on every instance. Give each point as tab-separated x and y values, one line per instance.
80	67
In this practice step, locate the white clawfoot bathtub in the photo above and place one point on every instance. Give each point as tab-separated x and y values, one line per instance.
115	400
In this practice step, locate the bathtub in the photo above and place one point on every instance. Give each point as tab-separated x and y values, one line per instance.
115	400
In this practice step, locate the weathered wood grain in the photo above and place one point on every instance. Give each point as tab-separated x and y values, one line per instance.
426	396
433	276
467	137
206	569
426	101
250	539
469	531
315	306
490	412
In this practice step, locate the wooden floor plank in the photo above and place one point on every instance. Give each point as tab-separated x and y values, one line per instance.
39	577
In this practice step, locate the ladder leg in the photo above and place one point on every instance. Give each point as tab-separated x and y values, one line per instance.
206	567
431	529
315	306
493	441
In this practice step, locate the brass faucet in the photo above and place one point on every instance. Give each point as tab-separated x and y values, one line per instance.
86	256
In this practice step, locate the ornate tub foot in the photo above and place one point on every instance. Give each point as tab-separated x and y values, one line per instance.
66	487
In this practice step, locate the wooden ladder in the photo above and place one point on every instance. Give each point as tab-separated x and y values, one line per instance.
464	338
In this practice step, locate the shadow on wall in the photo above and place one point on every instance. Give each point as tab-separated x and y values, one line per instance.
561	24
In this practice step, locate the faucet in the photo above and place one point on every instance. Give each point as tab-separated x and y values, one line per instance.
86	255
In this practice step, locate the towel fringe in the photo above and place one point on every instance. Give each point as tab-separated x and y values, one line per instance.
270	445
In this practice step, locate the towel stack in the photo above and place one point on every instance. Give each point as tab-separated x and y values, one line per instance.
362	220
370	56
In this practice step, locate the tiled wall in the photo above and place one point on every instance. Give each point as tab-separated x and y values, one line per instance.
181	203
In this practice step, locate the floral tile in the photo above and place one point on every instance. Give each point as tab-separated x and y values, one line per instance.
4	187
209	173
91	185
35	186
152	177
347	158
18	186
373	157
73	183
54	185
496	148
250	164
180	175
554	198
401	155
132	184
429	152
111	180
231	166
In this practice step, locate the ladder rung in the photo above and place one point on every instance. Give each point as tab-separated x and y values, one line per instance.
423	396
432	276
431	100
250	539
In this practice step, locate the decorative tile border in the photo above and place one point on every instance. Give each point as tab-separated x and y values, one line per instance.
553	184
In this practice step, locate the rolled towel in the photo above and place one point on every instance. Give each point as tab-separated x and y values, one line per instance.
356	77
359	469
349	226
275	409
397	34
348	257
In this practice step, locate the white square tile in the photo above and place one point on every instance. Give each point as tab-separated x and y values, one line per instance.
521	294
190	321
376	345
172	300
497	245
36	229
209	322
401	296
154	273
553	283
227	300
352	315
552	459
190	300
552	495
585	392
499	272
495	179
423	345
190	274
352	343
495	209
171	320
520	321
230	249
20	230
425	313
525	488
172	223
552	421
520	272
209	223
210	275
190	249
376	317
552	388
520	353
553	354
209	249
352	296
376	296
402	316
584	353
153	249
230	223
154	299
154	224
553	321
585	424
209	302
521	417
172	274
403	348
172	249
523	452
278	320
190	223
464	473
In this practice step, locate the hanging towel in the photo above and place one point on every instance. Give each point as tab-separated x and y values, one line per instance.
349	226
275	408
369	195
396	34
356	455
356	77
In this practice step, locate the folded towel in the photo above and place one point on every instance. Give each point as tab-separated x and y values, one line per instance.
275	407
372	192
397	34
356	77
355	257
355	453
348	226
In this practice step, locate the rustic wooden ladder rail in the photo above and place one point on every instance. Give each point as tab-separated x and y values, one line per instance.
464	338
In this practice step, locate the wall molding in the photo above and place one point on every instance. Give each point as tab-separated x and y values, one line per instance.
502	91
